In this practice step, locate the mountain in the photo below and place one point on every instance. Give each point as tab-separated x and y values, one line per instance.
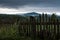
36	14
31	14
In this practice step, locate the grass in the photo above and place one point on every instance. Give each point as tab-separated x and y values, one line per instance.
11	32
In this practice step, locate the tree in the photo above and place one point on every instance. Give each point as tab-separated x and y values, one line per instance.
53	17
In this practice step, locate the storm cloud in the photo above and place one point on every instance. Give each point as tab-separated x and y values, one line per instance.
24	6
19	3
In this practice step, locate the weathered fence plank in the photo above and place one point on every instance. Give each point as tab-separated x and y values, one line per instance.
47	26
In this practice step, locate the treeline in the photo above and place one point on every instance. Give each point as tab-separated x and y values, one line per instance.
11	19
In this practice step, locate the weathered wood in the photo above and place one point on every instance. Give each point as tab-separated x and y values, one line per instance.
45	26
43	23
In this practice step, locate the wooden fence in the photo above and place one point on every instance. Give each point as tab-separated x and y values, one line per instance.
45	30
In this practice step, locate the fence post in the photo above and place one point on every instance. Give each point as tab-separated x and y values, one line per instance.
43	26
33	27
40	23
58	35
49	24
54	22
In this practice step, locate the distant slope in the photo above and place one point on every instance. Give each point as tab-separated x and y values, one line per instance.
31	14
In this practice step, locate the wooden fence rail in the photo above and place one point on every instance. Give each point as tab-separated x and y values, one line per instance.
43	30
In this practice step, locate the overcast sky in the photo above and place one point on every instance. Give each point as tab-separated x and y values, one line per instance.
24	6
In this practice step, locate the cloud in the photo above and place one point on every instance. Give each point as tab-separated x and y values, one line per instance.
21	6
19	3
16	3
28	9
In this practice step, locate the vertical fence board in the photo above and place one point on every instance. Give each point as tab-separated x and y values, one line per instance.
34	27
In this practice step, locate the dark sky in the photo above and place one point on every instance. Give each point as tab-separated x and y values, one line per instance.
29	5
18	3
